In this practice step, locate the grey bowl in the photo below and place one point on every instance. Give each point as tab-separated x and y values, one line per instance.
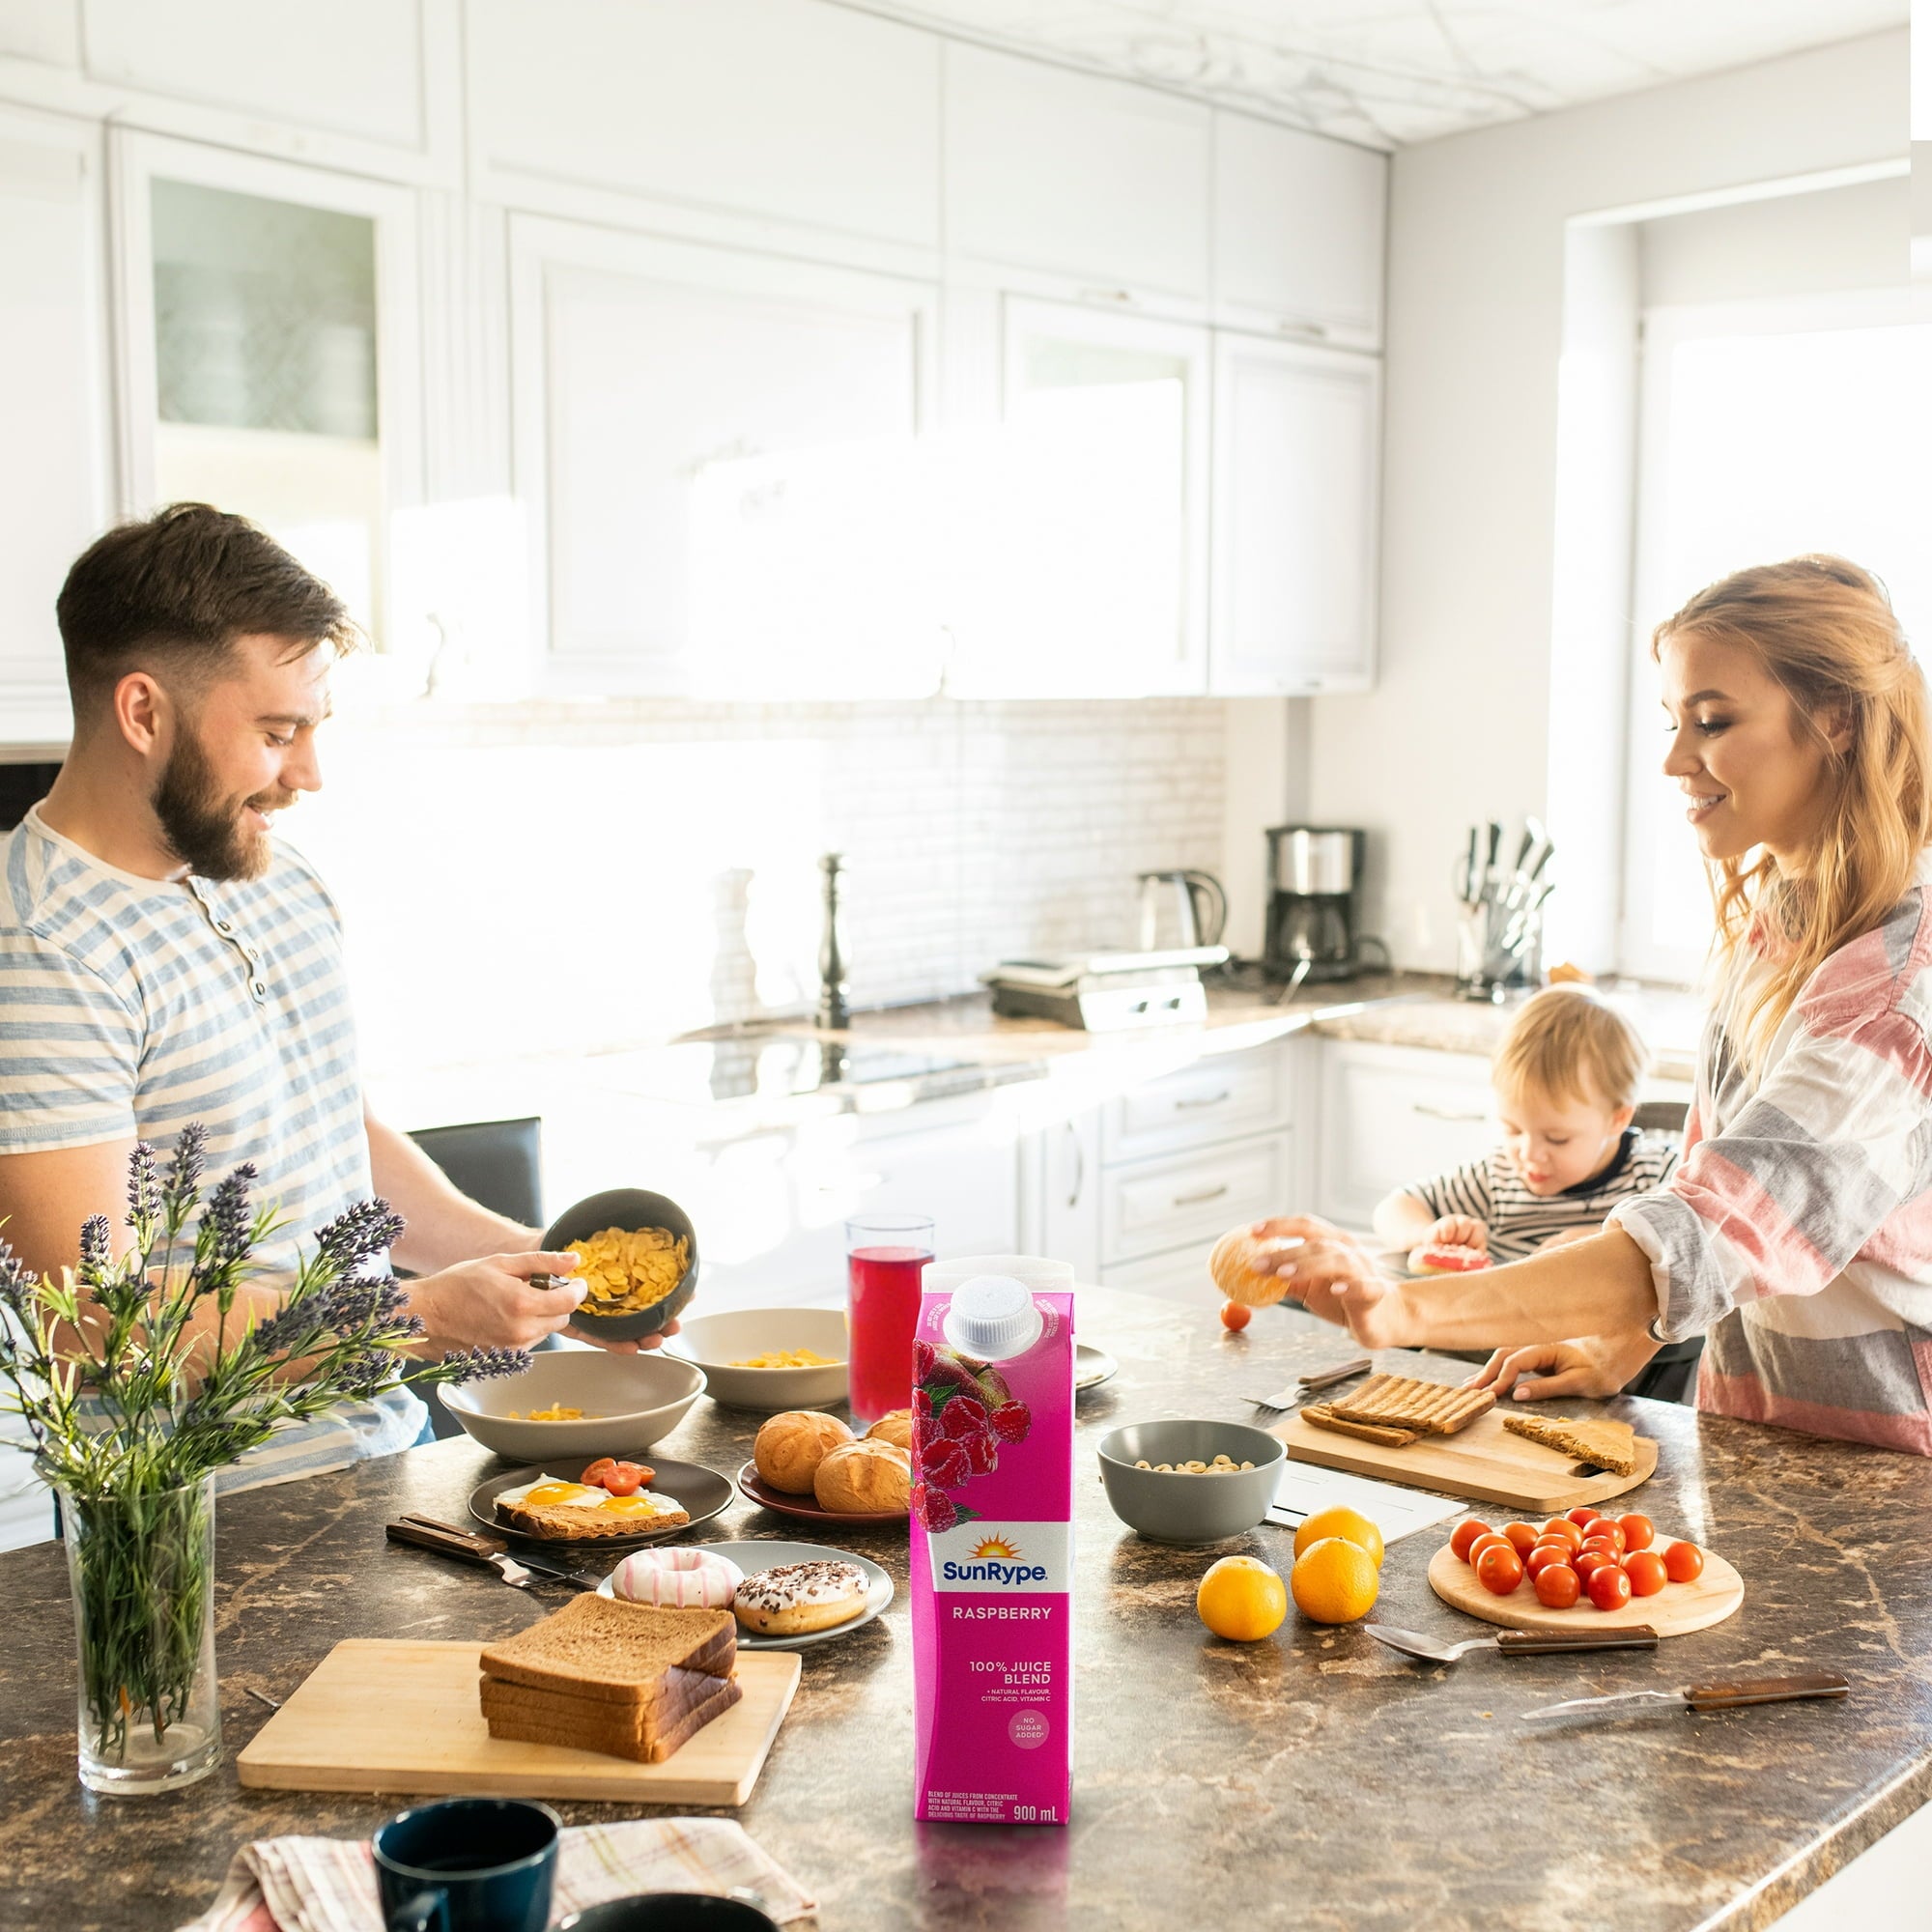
1189	1509
630	1208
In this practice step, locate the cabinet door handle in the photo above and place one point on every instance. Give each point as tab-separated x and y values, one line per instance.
1205	1100
1124	296
1195	1199
1079	1166
1293	325
1445	1113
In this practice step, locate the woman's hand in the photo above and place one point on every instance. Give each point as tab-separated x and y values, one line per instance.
1592	1365
1335	1277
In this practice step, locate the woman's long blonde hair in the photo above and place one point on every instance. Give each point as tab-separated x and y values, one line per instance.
1826	630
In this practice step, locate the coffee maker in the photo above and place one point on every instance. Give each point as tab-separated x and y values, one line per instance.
1314	875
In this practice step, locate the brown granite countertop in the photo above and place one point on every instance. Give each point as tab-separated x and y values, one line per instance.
1314	1779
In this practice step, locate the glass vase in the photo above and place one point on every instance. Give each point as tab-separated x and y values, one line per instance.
141	1567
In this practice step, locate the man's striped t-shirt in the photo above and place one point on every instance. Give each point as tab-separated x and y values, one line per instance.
130	1007
1520	1221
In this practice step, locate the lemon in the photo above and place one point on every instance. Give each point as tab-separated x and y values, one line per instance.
1242	1599
1350	1525
1334	1581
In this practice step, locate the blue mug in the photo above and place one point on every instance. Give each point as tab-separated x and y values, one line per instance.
467	1864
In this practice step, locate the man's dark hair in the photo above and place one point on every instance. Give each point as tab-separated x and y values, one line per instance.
175	590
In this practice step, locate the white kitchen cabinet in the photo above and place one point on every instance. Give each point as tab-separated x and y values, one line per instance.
1392	1115
1180	1275
1077	524
719	454
1296	517
787	111
1217	1098
1100	185
1151	1207
1299	231
53	389
1060	1190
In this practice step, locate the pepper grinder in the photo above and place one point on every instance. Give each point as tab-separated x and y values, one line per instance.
833	1012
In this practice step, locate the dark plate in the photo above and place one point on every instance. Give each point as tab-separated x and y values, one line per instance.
806	1508
703	1492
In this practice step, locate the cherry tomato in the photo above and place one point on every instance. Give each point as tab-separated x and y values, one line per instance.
599	1469
1609	1588
1499	1569
1235	1314
1589	1561
625	1479
1521	1535
1557	1586
1603	1544
1682	1562
1584	1512
1646	1572
1465	1534
1493	1541
1545	1554
1561	1525
1604	1530
1639	1532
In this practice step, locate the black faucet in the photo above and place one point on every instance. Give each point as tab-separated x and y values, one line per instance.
833	1012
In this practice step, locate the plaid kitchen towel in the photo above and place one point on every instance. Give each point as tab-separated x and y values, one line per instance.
329	1885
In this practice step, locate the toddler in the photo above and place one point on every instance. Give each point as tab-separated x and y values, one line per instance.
1566	1079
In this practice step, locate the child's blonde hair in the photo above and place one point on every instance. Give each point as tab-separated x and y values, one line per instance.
1567	1043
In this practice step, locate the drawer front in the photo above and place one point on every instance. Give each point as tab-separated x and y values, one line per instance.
1216	1100
1395	1115
1170	1204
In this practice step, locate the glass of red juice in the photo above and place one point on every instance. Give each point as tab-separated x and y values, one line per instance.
885	1258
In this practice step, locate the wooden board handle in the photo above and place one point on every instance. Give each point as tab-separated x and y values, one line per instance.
1765	1690
1529	1644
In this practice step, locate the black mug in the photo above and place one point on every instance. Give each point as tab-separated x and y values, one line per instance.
670	1912
467	1864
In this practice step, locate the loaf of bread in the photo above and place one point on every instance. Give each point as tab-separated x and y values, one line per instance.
1232	1264
791	1445
895	1429
865	1476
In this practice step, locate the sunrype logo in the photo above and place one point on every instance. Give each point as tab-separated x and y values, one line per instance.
995	1561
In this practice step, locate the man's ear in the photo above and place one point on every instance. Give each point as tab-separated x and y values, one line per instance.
144	715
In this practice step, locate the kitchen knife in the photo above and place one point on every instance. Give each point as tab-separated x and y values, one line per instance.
487	1553
1705	1697
1491	877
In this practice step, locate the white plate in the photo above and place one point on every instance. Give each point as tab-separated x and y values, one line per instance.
714	1342
752	1557
630	1402
1092	1367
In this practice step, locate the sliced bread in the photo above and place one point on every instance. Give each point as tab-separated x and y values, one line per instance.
683	1691
617	1740
616	1652
555	1524
1598	1441
1406	1402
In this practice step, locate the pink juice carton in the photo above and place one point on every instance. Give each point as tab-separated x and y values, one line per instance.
992	1542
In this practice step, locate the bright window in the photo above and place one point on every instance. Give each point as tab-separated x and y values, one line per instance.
1768	429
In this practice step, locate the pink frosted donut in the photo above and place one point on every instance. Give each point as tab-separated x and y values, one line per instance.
689	1579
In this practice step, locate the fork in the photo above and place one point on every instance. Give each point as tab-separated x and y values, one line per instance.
1514	1643
1312	1383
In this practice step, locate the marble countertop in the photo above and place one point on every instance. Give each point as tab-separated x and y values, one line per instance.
1312	1779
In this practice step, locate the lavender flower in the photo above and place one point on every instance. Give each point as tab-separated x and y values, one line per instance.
359	1232
227	1213
144	1199
294	1322
483	1365
16	1283
97	1245
364	1374
185	1173
365	1301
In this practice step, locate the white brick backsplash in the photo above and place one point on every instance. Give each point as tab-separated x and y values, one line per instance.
559	875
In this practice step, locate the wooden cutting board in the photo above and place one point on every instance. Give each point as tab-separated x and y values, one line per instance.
1483	1462
378	1716
1676	1609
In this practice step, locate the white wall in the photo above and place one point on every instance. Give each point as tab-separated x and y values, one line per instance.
1459	727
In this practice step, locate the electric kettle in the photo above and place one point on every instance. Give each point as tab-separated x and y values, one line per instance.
1192	904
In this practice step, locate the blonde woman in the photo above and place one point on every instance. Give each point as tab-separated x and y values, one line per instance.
1797	1232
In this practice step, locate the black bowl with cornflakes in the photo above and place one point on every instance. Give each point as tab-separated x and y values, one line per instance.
628	1300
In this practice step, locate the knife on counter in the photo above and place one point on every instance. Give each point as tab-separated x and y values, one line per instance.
485	1553
1736	1696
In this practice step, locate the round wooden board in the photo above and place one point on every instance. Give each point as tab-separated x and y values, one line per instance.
1675	1609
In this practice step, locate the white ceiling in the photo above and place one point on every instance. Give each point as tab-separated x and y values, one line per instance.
1387	72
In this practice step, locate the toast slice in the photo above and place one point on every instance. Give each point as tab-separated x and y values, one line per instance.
617	1740
555	1524
614	1652
1405	1402
1323	1417
684	1690
1607	1445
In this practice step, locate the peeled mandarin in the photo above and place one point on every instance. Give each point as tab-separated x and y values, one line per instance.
1350	1525
1242	1599
1334	1581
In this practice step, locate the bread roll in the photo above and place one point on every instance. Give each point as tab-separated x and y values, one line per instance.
1233	1266
791	1446
895	1429
865	1476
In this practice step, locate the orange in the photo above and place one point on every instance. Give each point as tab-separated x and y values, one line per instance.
1334	1581
1242	1599
1350	1525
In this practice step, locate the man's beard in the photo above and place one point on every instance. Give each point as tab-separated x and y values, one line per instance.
204	828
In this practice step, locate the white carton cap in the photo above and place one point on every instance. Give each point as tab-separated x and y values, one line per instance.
992	1319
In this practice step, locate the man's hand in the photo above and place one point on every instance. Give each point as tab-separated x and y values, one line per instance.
1592	1365
1458	1231
1333	1276
491	1304
643	1342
